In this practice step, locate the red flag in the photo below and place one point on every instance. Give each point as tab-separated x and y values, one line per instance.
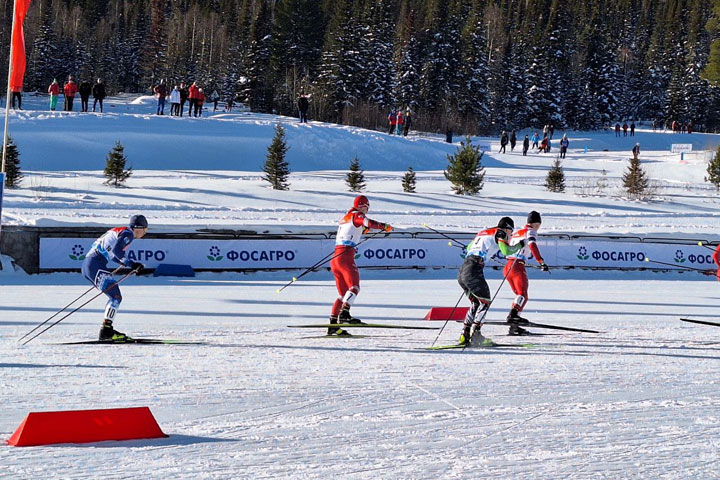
18	46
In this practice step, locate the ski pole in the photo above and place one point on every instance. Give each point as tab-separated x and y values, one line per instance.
459	243
65	307
448	319
677	266
76	309
327	258
706	246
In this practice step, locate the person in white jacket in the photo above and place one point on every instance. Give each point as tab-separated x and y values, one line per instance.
175	101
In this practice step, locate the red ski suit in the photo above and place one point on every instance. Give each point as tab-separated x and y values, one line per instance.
347	276
716	259
515	267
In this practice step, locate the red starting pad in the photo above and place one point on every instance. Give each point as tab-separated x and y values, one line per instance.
447	313
86	426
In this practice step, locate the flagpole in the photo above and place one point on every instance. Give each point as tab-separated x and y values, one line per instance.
7	98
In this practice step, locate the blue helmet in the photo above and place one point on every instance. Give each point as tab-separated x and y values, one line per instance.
138	221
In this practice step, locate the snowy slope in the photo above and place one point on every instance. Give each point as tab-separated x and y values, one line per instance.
197	173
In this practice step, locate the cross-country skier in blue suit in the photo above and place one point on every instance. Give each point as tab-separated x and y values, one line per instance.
112	246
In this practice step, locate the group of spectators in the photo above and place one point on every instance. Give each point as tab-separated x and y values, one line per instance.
69	90
534	142
678	127
180	94
625	129
399	122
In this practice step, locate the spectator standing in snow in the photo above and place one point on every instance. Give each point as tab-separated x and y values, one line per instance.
54	91
161	92
544	144
183	97
617	129
229	103
564	144
503	141
526	145
193	95
175	101
513	140
215	98
85	89
408	121
392	118
636	150
632	128
199	102
399	121
551	131
303	105
99	94
690	127
654	125
69	90
17	94
546	130
682	127
535	139
625	128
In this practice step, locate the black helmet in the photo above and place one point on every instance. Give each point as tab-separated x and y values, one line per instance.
506	222
534	217
138	221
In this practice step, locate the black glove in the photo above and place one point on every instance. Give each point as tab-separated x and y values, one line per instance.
521	243
137	267
544	267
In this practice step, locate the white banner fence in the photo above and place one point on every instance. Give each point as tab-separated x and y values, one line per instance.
419	250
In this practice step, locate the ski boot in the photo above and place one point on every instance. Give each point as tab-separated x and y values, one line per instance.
515	320
336	330
109	334
345	317
477	339
465	336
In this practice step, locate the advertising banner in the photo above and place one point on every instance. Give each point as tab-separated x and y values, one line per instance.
393	252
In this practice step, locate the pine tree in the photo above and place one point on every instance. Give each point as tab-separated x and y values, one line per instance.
115	171
355	179
465	170
555	179
13	175
713	170
408	181
276	167
635	179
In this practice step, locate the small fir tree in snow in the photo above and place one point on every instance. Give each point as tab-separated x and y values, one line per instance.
464	169
355	178
713	170
115	171
13	175
408	181
555	179
276	168
635	179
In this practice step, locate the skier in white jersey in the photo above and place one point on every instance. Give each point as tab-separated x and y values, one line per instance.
347	276
471	276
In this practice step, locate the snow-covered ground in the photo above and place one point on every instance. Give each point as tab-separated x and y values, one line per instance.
260	400
207	172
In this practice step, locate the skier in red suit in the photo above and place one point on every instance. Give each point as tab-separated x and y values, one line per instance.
347	277
515	270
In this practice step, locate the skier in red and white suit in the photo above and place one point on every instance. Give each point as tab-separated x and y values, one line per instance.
515	269
716	259
347	277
